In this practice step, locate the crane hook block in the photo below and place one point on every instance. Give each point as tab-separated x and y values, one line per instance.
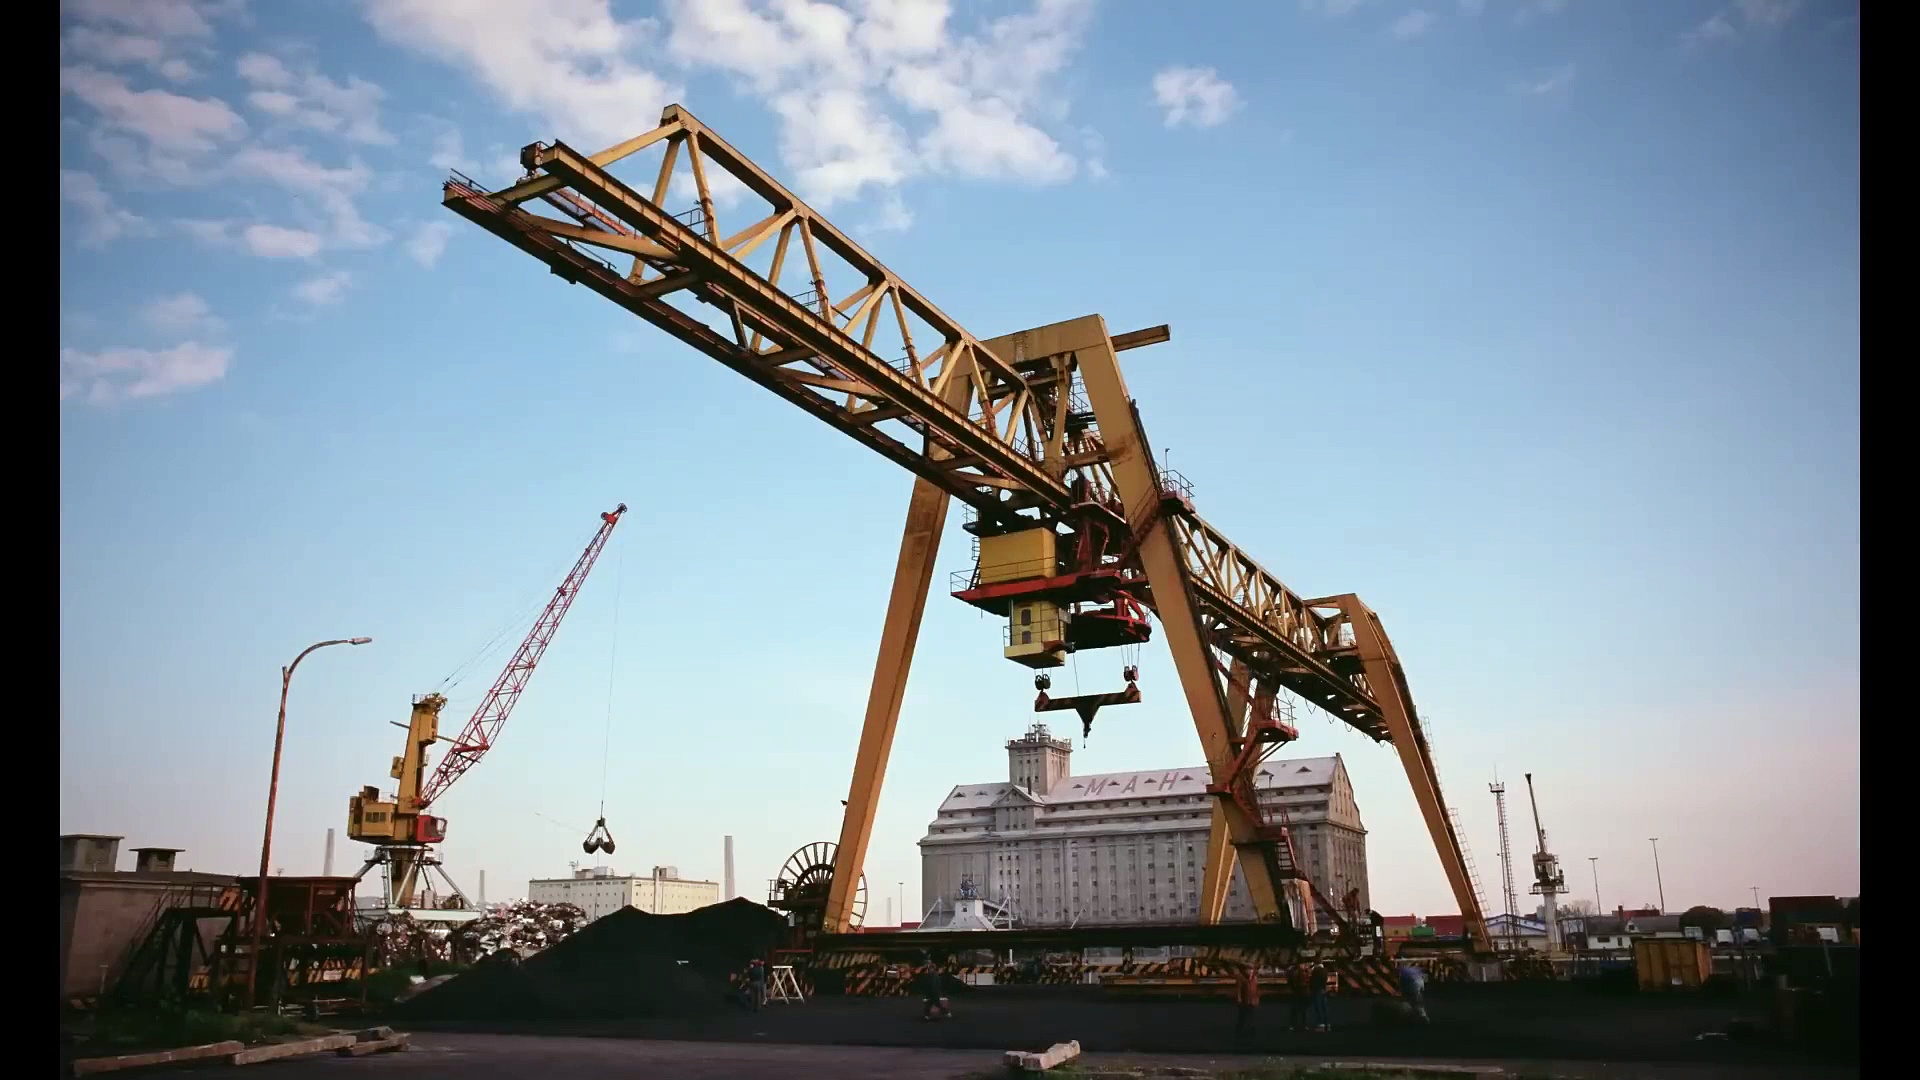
600	839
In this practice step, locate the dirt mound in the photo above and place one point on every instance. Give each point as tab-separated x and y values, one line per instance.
629	964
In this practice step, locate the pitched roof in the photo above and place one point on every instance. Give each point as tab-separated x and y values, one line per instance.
1192	780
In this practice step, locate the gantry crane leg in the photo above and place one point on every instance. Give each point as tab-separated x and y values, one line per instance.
1218	879
1381	666
1138	484
912	579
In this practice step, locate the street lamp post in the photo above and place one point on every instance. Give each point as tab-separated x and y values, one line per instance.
273	791
1594	861
1660	884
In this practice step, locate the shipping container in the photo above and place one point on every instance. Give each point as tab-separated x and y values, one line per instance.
1672	963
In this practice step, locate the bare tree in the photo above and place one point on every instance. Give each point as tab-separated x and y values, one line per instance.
1577	908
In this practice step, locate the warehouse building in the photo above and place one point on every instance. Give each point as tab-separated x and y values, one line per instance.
1058	849
598	891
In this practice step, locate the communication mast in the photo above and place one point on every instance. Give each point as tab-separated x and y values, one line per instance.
1548	881
1511	897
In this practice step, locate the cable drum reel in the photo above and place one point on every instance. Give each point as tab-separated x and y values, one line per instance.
600	839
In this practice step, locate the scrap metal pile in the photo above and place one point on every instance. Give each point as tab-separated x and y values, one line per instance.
524	927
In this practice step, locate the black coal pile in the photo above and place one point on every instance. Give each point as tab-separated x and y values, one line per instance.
628	964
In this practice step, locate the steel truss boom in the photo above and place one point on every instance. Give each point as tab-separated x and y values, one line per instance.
1000	424
477	737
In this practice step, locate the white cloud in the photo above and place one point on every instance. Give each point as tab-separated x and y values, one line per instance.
156	18
1743	16
868	93
327	288
1528	9
1548	82
278	242
350	109
163	36
1332	9
266	241
1195	96
1413	24
329	191
894	216
180	315
450	152
429	241
102	222
565	61
114	375
167	121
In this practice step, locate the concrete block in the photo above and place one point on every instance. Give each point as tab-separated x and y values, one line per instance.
1057	1054
375	1046
275	1051
381	1032
91	1066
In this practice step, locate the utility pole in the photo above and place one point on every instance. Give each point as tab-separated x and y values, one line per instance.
1756	896
1594	860
1655	841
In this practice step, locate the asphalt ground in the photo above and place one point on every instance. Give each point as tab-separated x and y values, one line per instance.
1544	1022
441	1056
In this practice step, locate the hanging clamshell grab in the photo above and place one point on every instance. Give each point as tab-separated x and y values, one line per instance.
600	839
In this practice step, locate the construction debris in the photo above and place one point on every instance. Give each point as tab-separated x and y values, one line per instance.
1057	1054
92	1066
626	965
275	1051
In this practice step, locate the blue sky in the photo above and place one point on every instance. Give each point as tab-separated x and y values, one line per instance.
1533	323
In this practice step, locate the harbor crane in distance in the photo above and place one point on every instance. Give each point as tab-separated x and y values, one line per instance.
1548	879
401	830
1080	531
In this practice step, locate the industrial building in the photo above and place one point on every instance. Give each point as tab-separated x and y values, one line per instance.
104	911
598	891
1055	848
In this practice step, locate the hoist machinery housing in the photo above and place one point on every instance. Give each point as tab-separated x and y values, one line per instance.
1081	534
400	829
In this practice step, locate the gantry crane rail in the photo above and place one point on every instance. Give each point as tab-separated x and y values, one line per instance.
997	428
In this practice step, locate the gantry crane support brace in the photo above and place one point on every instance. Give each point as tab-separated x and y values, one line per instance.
477	737
987	416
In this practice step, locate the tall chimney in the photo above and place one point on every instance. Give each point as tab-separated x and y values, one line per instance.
726	872
482	898
326	867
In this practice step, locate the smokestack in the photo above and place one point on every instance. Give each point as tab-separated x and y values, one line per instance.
326	866
483	889
726	872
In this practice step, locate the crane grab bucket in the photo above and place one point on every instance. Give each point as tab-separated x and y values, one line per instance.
600	839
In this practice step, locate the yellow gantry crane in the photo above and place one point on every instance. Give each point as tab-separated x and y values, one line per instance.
401	830
1080	531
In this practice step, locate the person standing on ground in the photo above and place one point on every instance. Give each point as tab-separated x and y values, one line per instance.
1246	994
1317	983
1413	986
1298	995
933	999
757	984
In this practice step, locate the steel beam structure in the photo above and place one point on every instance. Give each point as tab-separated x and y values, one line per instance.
998	424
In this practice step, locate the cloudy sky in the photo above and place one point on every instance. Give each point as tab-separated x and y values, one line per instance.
1533	322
